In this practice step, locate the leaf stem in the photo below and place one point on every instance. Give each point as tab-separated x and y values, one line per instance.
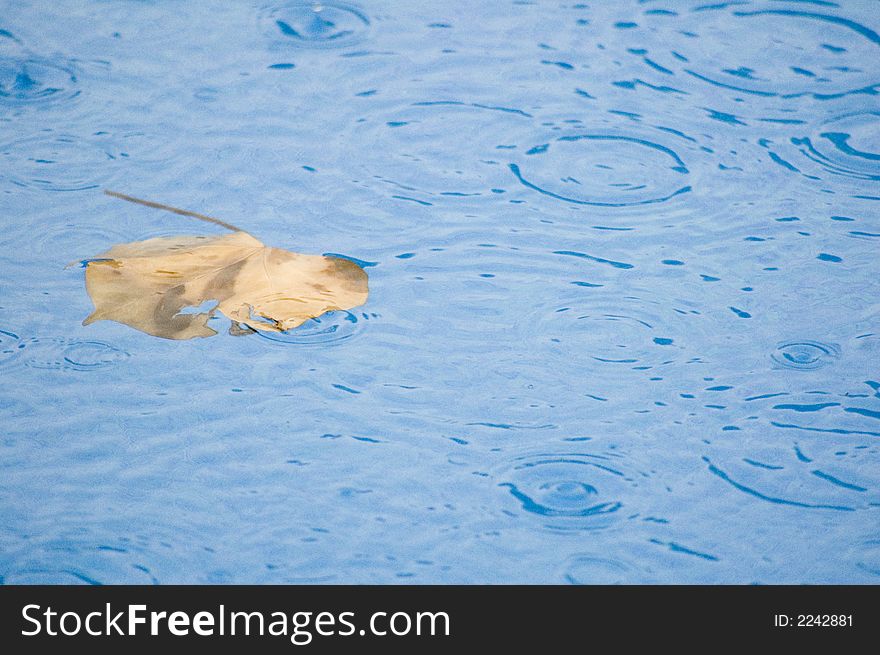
175	210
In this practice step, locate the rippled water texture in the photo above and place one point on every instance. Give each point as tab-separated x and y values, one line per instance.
623	314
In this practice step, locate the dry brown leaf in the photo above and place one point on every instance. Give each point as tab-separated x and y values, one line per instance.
147	284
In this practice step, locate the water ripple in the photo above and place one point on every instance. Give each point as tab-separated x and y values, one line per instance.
593	569
58	162
30	80
633	332
10	345
62	243
846	146
819	54
96	565
316	24
603	170
48	576
804	355
59	353
438	150
571	491
331	328
793	484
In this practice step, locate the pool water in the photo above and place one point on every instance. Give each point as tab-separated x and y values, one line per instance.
623	322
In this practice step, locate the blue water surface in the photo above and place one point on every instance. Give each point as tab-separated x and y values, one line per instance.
623	322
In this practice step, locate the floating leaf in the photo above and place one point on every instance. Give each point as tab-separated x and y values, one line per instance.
149	285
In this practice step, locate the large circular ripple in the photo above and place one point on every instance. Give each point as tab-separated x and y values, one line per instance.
602	169
436	150
608	331
787	481
571	490
64	243
315	24
767	49
57	162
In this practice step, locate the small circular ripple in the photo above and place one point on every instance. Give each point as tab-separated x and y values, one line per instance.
10	346
31	80
589	570
570	491
805	355
767	51
56	162
328	329
847	146
58	353
603	170
316	24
